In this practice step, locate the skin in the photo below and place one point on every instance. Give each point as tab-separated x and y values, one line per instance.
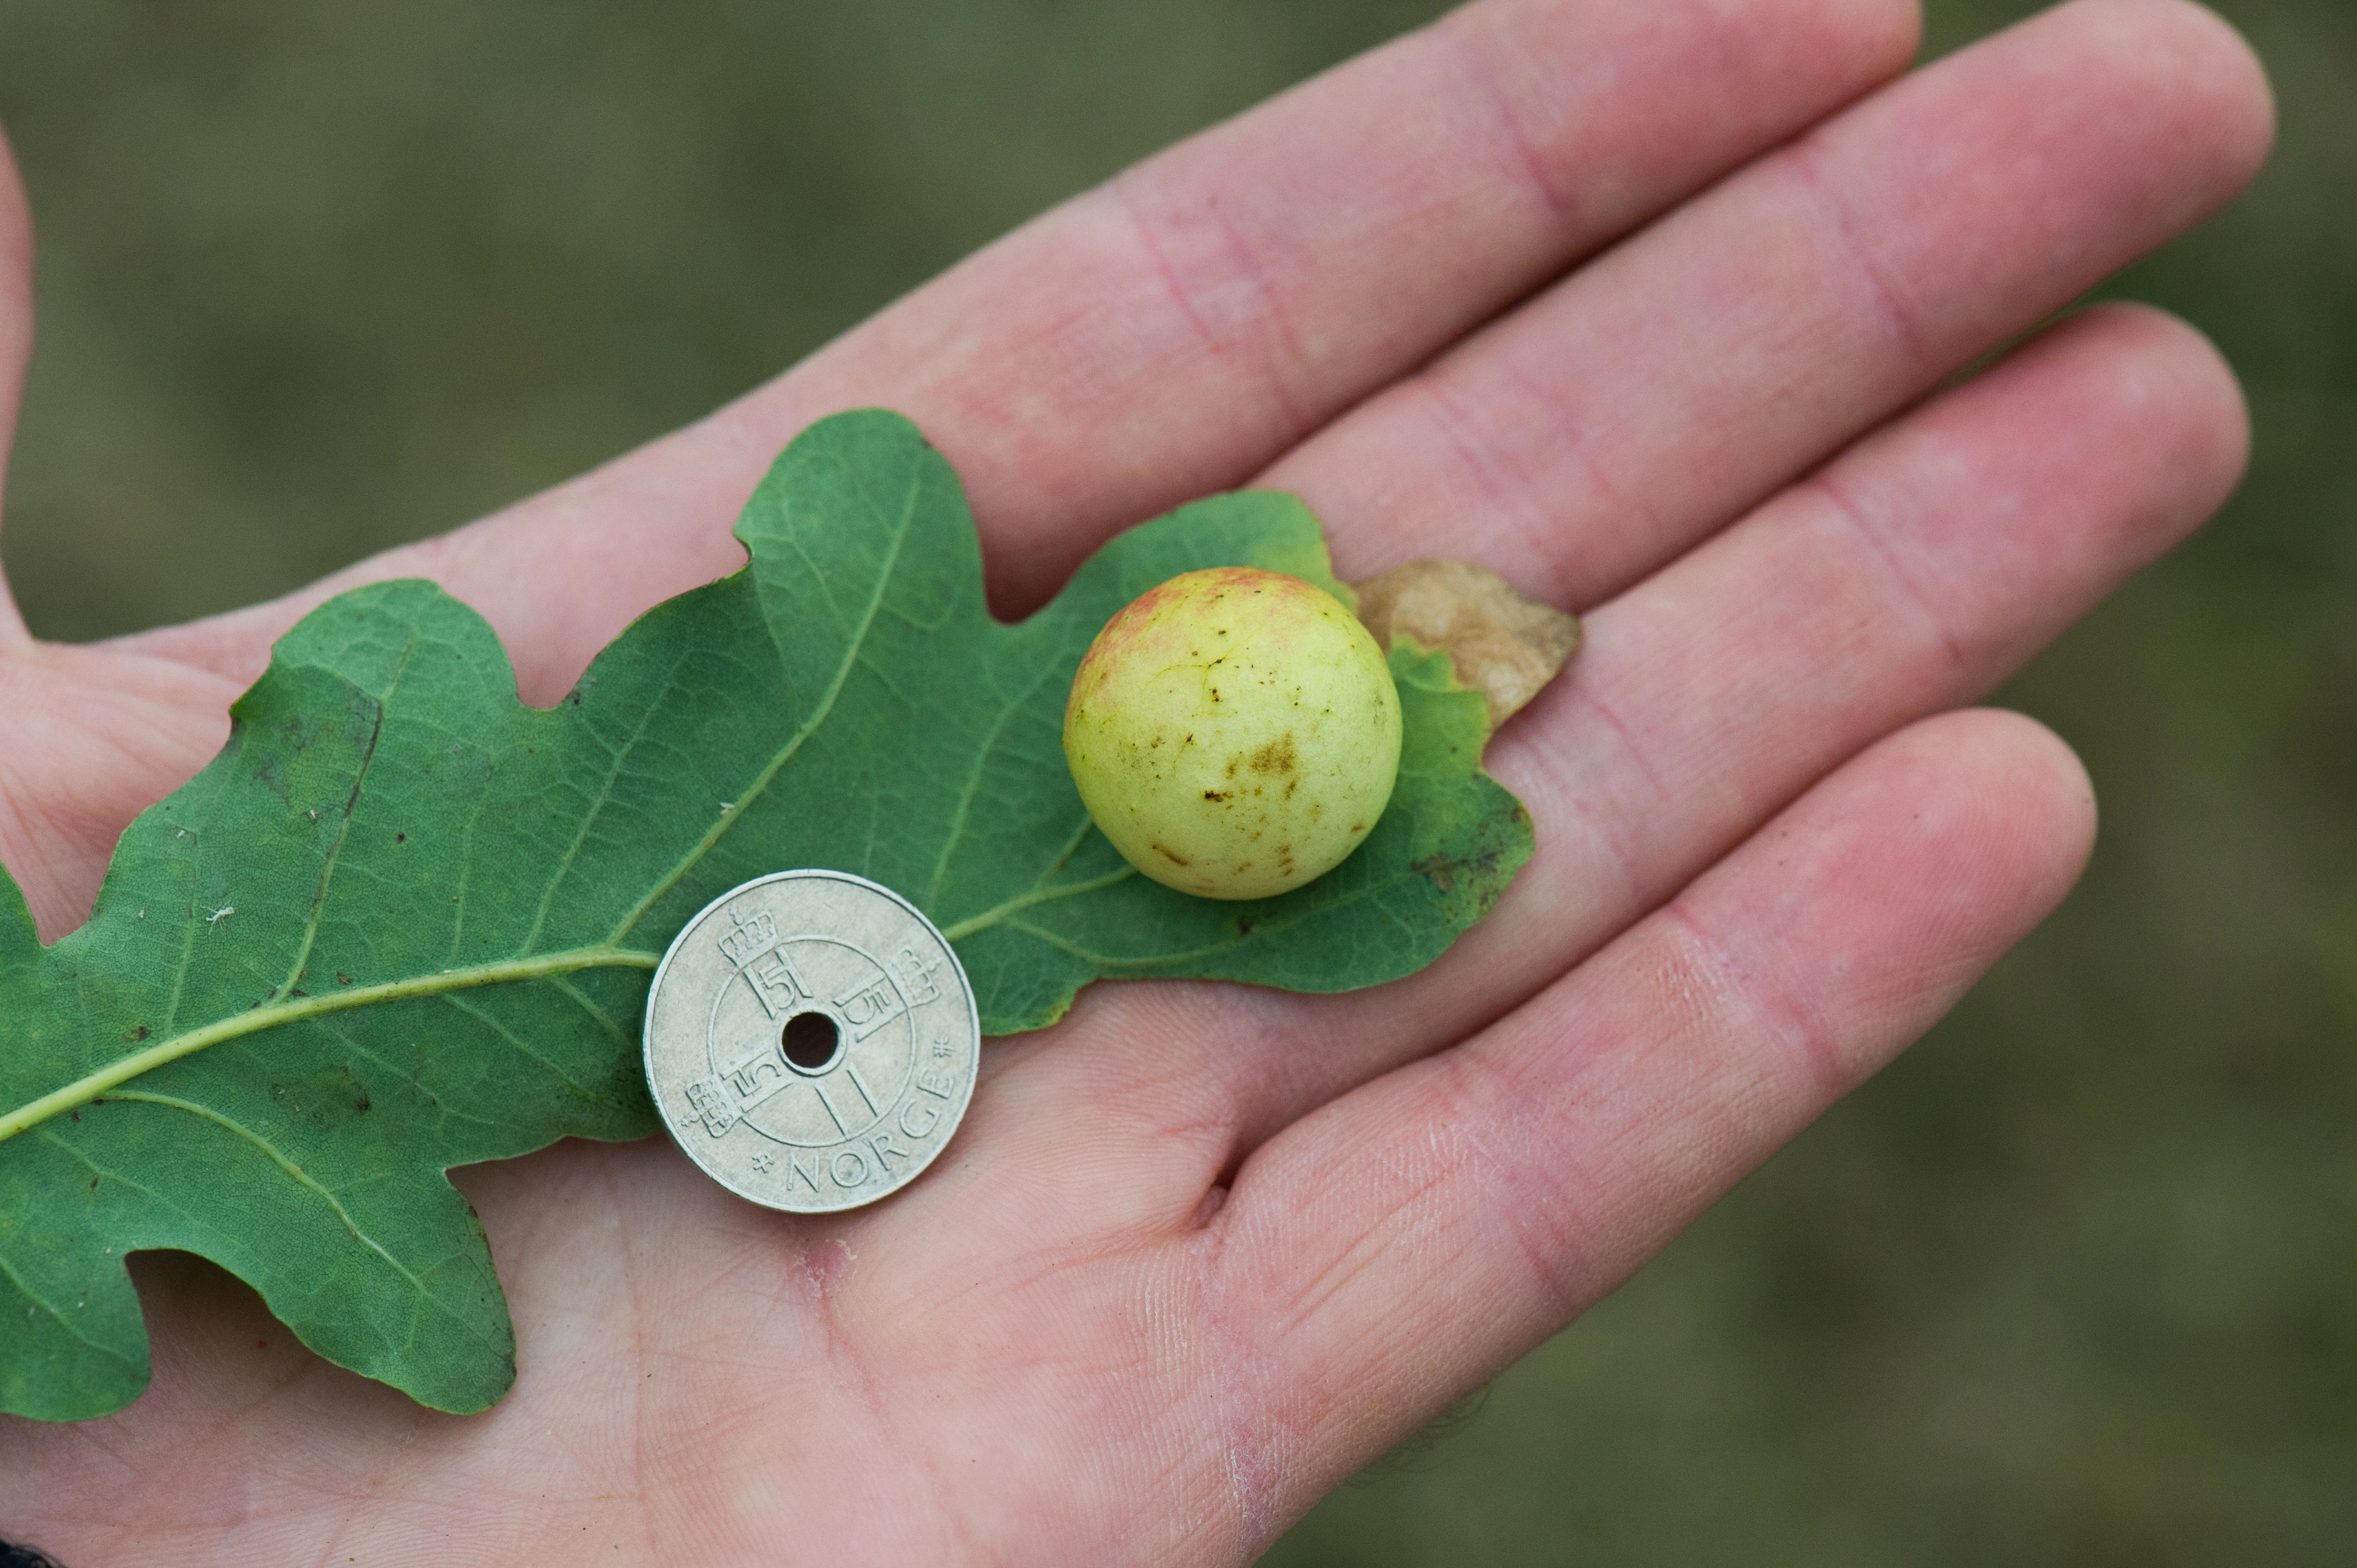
1659	306
1235	732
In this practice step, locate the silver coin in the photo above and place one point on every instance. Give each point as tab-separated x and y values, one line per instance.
811	1041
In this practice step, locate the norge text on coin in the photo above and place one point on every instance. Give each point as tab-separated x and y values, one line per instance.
811	1041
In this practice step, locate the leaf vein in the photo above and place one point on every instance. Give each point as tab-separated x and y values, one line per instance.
1105	960
974	783
187	944
41	1301
300	1177
596	1014
1038	895
509	1035
1259	932
597	806
344	829
746	797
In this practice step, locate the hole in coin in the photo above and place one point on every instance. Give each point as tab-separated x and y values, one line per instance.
810	1041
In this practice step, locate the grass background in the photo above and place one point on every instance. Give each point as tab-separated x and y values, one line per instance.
2073	1283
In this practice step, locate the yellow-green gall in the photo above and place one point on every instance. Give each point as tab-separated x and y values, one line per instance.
1234	732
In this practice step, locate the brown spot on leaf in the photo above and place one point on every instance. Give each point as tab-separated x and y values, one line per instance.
1437	869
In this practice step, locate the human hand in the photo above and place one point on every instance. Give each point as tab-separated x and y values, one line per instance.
1200	1251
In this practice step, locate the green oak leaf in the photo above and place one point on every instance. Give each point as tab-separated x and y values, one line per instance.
403	922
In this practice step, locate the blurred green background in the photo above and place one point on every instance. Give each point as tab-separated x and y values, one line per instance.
2073	1283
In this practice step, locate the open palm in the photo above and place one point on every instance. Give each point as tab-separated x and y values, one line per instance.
1657	309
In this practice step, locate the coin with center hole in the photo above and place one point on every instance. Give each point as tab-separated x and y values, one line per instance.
811	1041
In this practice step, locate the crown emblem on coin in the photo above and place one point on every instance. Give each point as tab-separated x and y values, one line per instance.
750	938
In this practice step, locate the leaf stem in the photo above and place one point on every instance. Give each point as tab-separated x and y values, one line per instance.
539	966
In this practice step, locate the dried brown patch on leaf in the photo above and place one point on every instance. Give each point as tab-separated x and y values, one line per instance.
1504	646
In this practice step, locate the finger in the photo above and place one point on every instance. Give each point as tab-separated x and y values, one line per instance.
1413	1239
87	738
1912	575
1171	333
16	343
1603	428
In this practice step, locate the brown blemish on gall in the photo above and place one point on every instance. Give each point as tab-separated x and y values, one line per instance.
1277	757
1173	859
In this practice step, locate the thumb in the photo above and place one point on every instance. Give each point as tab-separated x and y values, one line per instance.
16	347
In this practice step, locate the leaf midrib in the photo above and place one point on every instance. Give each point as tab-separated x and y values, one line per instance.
538	966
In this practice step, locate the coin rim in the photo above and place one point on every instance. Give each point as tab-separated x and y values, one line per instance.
803	874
